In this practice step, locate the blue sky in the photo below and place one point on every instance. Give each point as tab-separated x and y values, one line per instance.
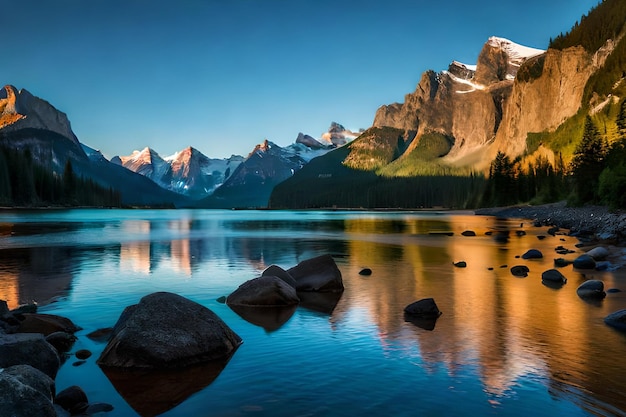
221	76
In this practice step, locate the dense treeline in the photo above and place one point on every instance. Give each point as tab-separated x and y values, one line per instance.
516	181
596	173
23	182
605	21
383	192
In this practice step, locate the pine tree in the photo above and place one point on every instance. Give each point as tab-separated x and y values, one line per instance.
69	182
588	162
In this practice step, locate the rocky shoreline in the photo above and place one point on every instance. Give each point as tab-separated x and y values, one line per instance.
588	223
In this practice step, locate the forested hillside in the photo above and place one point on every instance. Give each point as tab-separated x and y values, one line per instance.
23	182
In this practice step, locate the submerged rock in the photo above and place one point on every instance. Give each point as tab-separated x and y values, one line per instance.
365	271
461	264
165	331
101	335
561	262
72	399
520	271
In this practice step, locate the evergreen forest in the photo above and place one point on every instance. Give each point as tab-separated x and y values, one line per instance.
25	183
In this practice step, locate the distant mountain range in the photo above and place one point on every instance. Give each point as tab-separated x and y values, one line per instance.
186	179
234	181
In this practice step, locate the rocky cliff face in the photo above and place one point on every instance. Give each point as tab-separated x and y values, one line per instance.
543	103
21	110
488	107
465	102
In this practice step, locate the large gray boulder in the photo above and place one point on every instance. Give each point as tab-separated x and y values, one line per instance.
317	274
29	349
167	331
265	291
591	289
26	392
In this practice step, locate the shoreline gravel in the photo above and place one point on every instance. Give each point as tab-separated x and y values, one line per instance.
588	223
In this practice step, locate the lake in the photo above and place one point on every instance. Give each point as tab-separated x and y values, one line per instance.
504	346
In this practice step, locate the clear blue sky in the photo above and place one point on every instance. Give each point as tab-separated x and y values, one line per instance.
223	75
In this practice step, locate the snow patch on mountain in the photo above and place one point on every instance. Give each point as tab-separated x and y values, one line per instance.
517	53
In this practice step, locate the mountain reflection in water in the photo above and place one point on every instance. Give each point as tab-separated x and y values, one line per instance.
503	345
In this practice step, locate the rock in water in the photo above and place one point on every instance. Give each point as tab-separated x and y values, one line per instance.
617	320
520	271
277	271
426	308
553	276
317	274
26	392
584	262
591	289
533	254
166	331
46	324
29	349
72	399
598	253
265	291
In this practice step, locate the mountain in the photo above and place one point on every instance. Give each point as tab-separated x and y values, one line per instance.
525	103
34	127
465	103
252	182
188	172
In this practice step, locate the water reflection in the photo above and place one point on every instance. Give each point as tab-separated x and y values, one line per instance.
269	318
35	274
509	332
151	393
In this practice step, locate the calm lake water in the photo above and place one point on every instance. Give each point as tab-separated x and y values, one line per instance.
504	346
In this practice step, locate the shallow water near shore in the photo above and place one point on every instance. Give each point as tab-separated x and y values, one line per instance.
503	346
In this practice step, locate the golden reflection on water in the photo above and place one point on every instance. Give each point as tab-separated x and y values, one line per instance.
507	327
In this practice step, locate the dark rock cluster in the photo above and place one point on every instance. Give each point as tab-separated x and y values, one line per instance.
33	346
588	222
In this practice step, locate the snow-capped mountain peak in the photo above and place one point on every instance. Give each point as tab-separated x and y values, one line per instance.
514	50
